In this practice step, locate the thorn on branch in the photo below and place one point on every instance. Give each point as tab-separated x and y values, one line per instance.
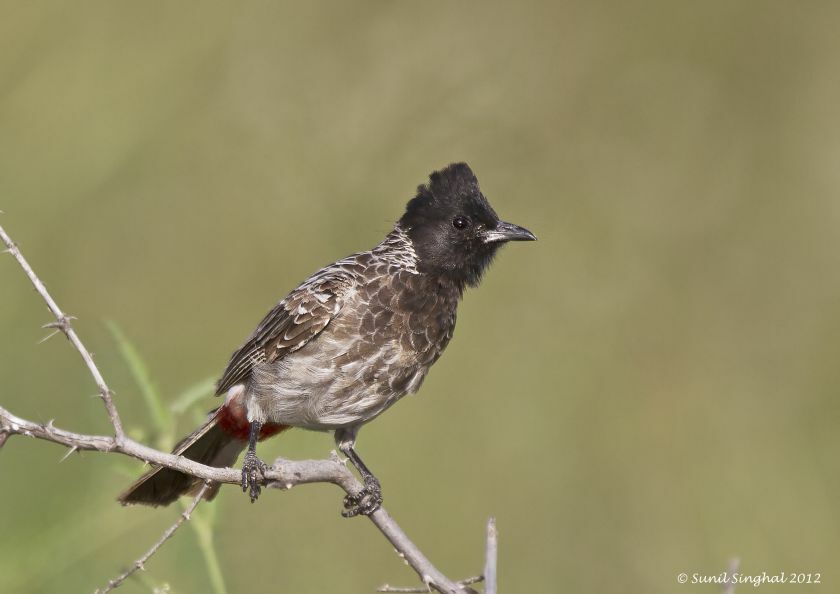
48	336
61	325
68	453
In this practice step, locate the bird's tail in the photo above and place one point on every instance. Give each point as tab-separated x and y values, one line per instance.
209	444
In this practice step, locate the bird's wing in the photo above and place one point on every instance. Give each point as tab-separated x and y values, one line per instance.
292	323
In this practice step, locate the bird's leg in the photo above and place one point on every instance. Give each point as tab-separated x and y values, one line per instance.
368	500
251	465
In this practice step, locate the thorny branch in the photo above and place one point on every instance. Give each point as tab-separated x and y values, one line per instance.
141	562
62	324
284	474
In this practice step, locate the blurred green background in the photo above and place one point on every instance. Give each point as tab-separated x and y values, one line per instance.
649	389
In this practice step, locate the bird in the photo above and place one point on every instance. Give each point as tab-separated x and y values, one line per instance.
347	343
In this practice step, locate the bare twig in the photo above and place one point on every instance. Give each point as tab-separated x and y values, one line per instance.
488	577
62	324
491	557
284	474
141	562
729	586
429	575
412	589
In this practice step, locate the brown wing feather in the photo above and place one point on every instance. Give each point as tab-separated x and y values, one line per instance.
289	325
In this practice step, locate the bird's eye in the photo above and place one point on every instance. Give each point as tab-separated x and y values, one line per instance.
460	222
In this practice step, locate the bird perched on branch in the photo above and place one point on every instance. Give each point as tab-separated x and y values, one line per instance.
348	342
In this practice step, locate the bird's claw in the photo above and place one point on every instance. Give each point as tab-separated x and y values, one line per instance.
253	472
366	501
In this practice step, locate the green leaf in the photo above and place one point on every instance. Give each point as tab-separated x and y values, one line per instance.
161	417
202	521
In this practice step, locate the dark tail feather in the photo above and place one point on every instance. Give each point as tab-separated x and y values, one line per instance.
208	444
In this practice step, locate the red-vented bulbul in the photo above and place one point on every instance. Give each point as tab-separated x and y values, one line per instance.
348	342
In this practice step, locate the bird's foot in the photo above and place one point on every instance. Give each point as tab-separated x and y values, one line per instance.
366	501
253	471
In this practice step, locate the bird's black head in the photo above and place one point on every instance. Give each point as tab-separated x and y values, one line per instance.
454	229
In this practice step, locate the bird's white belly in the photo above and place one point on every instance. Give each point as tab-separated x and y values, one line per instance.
319	389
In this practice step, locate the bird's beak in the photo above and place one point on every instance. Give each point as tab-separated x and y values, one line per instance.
507	232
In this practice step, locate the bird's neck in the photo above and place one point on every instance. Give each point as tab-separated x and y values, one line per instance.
398	249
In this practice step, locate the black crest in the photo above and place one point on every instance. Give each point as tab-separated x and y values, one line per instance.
449	189
445	220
